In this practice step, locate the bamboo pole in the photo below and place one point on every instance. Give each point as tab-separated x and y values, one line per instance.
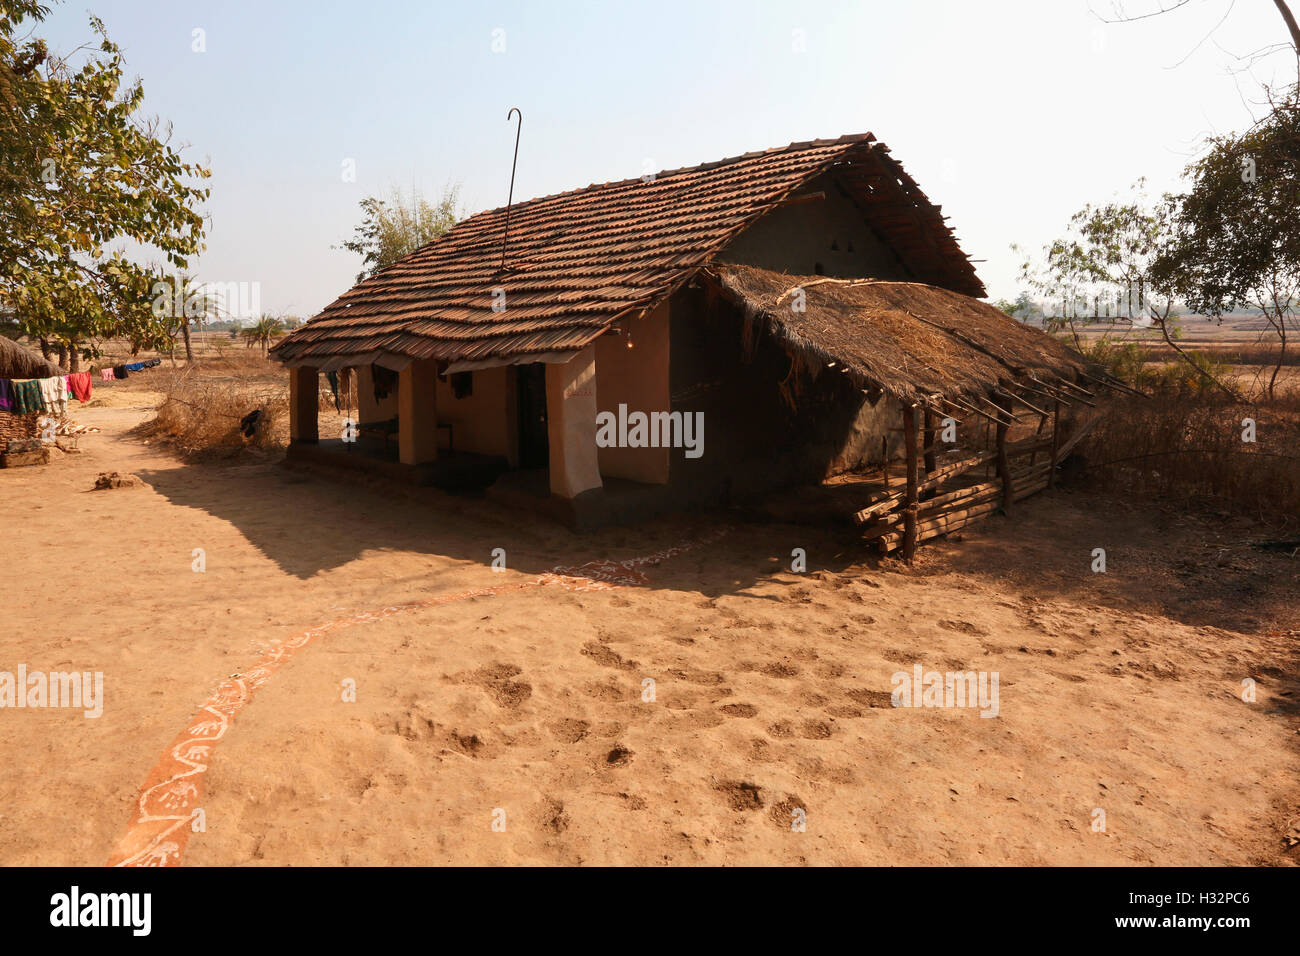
952	469
1061	393
1055	394
1042	423
1080	433
1020	398
1004	464
928	443
1056	444
909	511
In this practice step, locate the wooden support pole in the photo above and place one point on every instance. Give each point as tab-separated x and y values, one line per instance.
928	443
1004	465
1056	444
884	460
913	482
1042	423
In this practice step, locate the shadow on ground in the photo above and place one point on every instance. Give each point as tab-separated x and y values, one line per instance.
1192	570
308	523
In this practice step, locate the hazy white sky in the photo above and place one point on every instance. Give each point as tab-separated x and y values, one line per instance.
1010	113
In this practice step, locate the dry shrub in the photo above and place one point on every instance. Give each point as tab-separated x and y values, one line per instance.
1185	447
201	412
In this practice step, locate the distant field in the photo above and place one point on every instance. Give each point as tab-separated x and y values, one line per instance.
1238	340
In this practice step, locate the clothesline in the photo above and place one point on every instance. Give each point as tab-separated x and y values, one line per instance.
125	369
22	396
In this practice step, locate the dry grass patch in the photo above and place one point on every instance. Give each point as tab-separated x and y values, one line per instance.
201	413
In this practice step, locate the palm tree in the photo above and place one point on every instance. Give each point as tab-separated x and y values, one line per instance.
199	304
263	332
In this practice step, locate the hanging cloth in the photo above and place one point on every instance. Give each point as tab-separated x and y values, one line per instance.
26	396
6	394
385	380
54	394
79	384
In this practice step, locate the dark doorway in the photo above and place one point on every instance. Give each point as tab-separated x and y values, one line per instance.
534	450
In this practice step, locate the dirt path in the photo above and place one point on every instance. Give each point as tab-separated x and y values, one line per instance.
528	707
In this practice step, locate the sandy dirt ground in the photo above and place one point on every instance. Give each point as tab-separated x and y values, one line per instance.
516	726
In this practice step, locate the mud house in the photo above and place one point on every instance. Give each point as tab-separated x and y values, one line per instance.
702	335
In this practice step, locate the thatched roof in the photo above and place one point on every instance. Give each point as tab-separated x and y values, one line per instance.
19	362
912	340
579	261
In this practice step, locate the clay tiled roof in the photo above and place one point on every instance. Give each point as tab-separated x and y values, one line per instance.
580	260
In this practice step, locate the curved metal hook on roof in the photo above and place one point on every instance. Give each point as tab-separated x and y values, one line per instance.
505	235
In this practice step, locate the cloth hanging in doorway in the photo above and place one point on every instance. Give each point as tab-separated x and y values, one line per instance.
385	381
6	394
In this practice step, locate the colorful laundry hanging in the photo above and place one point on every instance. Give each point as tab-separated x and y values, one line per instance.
6	394
79	386
26	396
106	374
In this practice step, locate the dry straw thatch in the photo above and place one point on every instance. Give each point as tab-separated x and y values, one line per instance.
911	340
16	361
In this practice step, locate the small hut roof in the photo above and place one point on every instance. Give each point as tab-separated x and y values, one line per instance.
912	340
16	361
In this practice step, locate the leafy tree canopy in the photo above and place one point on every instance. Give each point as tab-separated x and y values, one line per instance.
83	169
1235	234
398	225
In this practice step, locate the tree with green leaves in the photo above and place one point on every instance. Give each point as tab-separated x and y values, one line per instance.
1100	269
263	332
1023	308
192	302
1109	257
83	169
394	227
1235	237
